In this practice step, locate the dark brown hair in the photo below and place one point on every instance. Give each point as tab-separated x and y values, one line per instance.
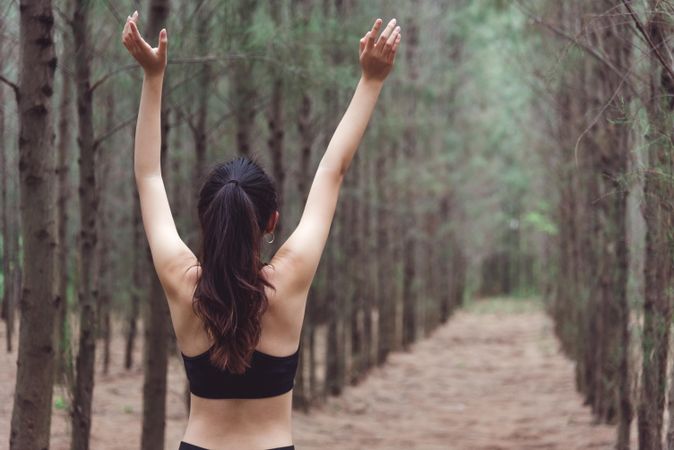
236	203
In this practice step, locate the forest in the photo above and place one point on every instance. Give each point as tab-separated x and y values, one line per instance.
520	154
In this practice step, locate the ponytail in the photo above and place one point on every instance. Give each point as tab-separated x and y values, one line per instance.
230	295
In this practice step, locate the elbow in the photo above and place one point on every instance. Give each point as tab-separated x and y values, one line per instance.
142	172
333	171
344	167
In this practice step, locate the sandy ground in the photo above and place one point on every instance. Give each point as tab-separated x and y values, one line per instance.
491	379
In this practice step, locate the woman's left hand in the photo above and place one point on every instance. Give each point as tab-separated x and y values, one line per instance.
152	60
377	52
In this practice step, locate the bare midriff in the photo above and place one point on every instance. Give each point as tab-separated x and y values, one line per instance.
223	424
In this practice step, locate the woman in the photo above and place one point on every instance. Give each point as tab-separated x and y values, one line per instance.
237	320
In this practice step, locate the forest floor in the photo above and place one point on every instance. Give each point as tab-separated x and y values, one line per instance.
492	378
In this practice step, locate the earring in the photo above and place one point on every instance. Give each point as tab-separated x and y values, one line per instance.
270	241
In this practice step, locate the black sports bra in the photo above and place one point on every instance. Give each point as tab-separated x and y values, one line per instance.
267	376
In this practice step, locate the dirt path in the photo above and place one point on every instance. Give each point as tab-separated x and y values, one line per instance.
491	379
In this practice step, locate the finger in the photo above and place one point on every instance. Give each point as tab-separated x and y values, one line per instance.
392	53
135	33
138	40
134	29
369	41
134	17
163	41
132	46
376	26
393	36
126	34
362	43
369	44
388	46
387	32
126	26
396	43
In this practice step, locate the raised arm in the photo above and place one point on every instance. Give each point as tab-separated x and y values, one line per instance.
170	254
304	247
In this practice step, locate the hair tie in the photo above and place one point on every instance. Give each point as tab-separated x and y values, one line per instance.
236	182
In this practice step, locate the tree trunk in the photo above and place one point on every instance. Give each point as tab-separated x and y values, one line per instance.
615	306
367	250
334	371
276	131
154	369
203	92
243	89
88	289
446	268
4	215
31	416
138	286
10	243
658	215
275	144
64	367
355	239
385	294
105	266
409	151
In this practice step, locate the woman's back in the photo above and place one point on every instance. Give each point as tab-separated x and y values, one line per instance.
236	423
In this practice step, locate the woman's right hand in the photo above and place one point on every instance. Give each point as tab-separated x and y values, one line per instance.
377	53
152	60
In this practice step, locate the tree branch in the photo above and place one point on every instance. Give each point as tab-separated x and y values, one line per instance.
11	84
114	129
594	53
648	39
111	74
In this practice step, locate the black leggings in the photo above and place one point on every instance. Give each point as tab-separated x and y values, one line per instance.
186	446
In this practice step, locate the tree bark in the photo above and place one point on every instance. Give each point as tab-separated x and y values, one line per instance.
138	286
88	279
64	358
105	262
615	306
659	218
410	246
385	294
10	247
446	264
243	90
275	123
355	241
367	250
199	129
31	416
4	213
